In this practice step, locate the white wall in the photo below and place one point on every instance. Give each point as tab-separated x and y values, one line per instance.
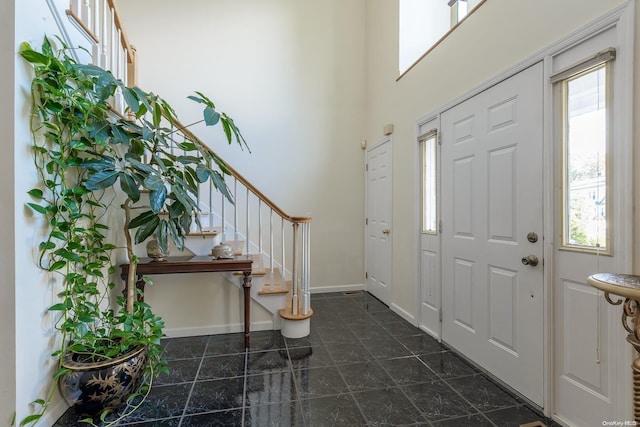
470	56
291	73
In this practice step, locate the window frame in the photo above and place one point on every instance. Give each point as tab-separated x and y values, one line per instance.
561	81
432	135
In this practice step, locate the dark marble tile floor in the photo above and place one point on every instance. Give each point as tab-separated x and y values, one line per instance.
362	365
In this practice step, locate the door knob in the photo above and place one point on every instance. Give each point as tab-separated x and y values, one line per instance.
531	260
386	231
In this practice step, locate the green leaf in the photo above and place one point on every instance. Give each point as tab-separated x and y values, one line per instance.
36	193
157	198
157	115
203	173
57	265
145	230
131	98
34	57
130	187
97	164
211	116
142	167
142	219
89	70
58	307
37	208
101	180
197	99
153	182
30	419
78	145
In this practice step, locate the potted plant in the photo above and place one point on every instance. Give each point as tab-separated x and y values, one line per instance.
93	165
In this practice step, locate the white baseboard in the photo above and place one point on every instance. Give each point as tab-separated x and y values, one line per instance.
216	329
404	314
340	288
53	413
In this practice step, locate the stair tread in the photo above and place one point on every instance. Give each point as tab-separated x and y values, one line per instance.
287	313
237	246
274	278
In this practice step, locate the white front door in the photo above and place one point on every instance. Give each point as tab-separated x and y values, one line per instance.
492	302
379	185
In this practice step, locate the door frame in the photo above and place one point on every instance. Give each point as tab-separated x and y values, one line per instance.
623	16
367	149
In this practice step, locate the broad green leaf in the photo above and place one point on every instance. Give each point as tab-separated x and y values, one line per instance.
57	265
97	164
203	173
36	193
142	219
119	135
153	182
101	180
157	198
148	169
211	116
129	186
131	98
36	58
146	230
89	70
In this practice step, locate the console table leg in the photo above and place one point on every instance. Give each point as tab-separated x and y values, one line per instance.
246	285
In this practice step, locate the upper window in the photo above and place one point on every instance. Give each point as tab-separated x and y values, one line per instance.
424	22
585	99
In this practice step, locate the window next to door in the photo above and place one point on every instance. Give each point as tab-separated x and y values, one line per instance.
584	94
428	155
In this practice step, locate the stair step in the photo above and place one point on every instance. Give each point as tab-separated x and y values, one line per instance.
236	245
272	284
287	312
257	268
205	233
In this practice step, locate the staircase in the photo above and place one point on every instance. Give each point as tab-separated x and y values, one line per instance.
252	225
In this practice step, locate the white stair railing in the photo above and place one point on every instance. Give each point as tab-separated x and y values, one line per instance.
290	253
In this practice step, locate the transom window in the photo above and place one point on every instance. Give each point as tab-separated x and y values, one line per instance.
423	23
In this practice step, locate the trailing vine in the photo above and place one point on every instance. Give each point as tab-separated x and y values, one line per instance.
88	160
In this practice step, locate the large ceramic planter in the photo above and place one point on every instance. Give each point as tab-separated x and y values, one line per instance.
94	387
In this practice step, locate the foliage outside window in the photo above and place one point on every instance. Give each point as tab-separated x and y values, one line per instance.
586	186
428	149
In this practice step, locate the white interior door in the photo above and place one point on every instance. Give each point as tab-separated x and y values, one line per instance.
379	199
491	200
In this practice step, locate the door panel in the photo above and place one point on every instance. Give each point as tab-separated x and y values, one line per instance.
491	199
379	205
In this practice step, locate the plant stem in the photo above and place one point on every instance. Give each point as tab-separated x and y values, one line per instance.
133	262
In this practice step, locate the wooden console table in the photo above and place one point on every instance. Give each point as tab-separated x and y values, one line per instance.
627	287
198	264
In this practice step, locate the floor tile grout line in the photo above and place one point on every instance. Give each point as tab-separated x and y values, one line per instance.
244	385
193	385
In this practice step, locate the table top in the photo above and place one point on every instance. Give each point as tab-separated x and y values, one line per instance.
190	264
625	285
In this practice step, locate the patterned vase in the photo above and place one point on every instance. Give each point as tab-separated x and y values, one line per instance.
96	386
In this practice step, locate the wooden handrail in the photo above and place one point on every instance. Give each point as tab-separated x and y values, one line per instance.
117	22
123	33
243	180
180	127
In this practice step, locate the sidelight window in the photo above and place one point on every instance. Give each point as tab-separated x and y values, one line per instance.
428	150
585	96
